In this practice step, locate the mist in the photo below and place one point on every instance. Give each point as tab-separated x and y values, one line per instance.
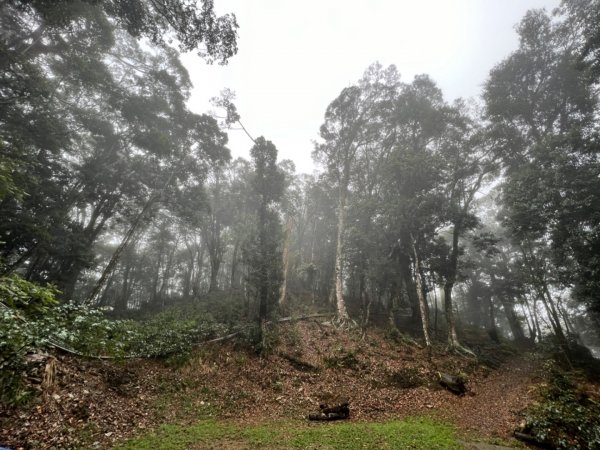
170	177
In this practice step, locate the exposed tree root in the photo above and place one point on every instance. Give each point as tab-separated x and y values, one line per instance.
464	351
344	323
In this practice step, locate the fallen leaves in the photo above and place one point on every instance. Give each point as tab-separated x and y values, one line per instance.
94	404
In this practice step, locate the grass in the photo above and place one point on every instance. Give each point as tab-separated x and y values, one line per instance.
412	433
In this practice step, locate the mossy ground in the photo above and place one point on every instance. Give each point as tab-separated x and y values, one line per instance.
411	433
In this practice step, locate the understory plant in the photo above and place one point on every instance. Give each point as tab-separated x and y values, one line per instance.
565	417
33	321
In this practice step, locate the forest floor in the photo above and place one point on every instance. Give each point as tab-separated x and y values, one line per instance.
94	404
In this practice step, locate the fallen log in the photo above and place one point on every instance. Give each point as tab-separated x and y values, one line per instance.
327	413
455	384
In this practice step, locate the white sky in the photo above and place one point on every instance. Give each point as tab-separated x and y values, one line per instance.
295	57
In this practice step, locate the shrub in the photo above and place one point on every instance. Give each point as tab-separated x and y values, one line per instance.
166	335
564	418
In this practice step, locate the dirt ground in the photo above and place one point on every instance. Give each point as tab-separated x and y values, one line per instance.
95	404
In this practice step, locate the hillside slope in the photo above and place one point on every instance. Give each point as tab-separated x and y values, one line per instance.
383	376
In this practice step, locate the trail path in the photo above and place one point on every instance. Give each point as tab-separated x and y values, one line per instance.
497	400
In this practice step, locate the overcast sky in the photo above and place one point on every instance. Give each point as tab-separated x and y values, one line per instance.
296	56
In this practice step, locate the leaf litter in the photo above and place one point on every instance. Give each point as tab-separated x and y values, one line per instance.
95	404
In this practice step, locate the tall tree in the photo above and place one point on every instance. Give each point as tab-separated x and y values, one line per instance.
467	160
543	112
263	252
412	185
352	126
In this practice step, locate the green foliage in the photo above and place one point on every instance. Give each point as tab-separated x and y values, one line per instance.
20	300
16	340
564	417
31	298
262	252
414	433
84	329
7	184
167	334
543	112
31	321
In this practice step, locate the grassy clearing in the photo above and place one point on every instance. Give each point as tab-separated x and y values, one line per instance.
412	433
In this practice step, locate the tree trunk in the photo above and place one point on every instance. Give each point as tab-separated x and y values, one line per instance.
509	311
215	264
513	321
198	278
121	302
544	293
263	278
449	285
409	285
112	264
342	313
420	294
234	263
286	259
448	310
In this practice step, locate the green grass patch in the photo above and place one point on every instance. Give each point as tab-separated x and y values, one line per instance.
412	433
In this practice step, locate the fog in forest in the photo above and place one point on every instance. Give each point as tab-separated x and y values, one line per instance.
143	212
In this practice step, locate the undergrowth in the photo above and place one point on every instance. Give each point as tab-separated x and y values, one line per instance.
565	417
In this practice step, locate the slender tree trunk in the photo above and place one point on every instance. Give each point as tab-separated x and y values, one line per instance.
536	319
121	302
530	322
449	312
199	273
509	311
112	264
449	285
286	259
234	263
155	288
492	330
367	303
166	276
392	309
552	313
420	293
513	320
215	252
435	311
544	293
215	265
263	278
103	300
409	285
342	312
565	317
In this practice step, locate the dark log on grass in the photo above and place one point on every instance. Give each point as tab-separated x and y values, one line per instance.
328	413
455	384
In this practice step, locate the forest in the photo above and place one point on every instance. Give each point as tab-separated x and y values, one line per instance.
139	260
